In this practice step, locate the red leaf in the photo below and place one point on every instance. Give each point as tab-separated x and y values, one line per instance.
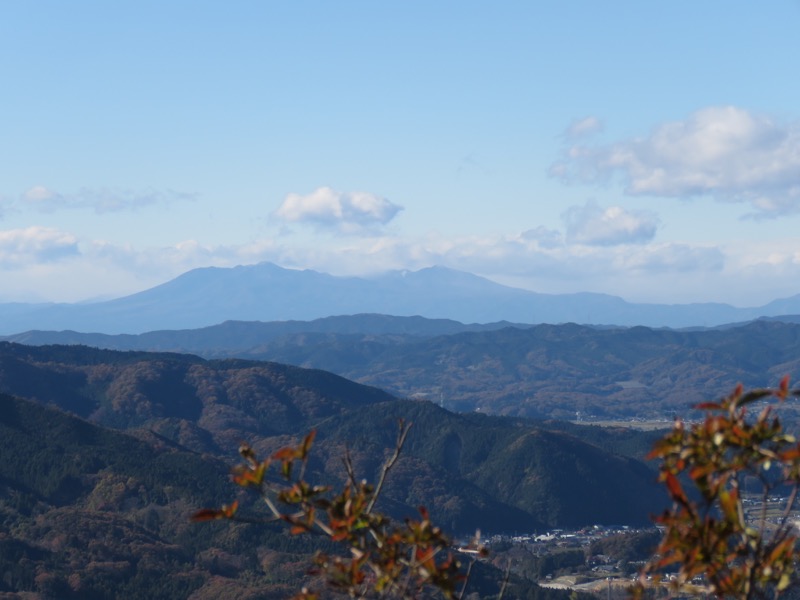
207	514
298	529
307	442
287	453
675	488
784	388
791	454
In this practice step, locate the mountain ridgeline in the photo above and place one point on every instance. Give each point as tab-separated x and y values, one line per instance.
267	292
543	371
111	440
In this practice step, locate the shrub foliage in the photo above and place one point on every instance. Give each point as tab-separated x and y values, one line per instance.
715	542
379	556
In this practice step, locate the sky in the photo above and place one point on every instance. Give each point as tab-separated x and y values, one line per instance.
649	150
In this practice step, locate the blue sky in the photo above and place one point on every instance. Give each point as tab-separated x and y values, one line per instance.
649	150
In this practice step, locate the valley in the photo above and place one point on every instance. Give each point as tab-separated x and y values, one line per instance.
513	428
399	300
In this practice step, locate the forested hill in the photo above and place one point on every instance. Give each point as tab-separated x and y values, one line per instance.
129	389
90	513
508	473
241	335
544	371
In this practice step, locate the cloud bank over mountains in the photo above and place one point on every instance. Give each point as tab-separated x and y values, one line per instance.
23	247
543	255
727	153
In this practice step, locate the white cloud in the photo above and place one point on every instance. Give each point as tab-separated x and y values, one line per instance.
722	151
100	200
674	258
544	237
596	226
39	193
346	212
22	247
538	256
583	127
51	264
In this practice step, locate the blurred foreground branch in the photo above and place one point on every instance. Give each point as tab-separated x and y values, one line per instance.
379	557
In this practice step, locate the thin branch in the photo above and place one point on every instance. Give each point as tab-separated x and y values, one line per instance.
505	581
325	529
762	521
401	440
466	580
409	572
782	530
738	486
348	466
272	508
789	506
254	520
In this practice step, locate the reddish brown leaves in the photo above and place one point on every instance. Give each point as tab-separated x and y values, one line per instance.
675	489
706	533
382	557
208	514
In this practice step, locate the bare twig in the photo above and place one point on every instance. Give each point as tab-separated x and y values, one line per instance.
409	572
505	581
783	530
387	466
466	580
272	508
762	521
254	520
787	510
348	466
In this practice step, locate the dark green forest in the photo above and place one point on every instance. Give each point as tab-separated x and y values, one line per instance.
537	371
106	454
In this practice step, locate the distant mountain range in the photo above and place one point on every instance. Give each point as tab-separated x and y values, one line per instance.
542	371
267	292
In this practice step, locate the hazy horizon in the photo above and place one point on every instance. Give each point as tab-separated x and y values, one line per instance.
98	299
